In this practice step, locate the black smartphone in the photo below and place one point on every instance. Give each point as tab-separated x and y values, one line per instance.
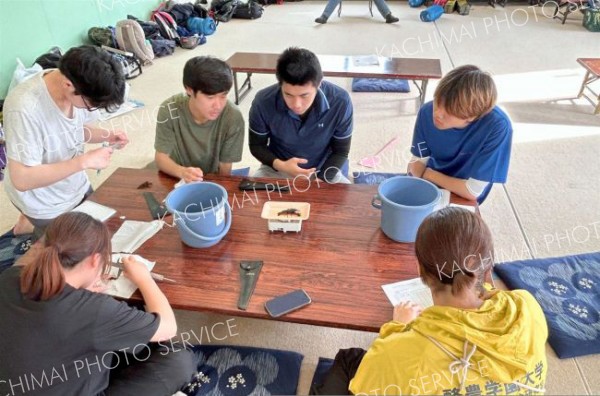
287	303
249	185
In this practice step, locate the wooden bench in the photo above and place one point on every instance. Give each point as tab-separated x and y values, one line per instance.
592	67
414	69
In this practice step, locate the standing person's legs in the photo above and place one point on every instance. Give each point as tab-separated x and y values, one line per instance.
39	226
329	8
385	11
338	378
23	225
164	372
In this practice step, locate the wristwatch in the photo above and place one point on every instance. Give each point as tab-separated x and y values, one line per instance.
249	271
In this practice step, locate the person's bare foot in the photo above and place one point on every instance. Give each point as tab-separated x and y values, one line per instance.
23	226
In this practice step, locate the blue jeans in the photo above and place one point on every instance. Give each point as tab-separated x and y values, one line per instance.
383	8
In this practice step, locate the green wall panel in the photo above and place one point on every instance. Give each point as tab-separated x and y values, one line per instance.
28	28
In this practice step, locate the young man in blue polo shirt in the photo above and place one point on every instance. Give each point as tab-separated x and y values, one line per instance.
462	140
302	125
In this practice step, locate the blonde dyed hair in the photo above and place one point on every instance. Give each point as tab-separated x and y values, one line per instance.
466	92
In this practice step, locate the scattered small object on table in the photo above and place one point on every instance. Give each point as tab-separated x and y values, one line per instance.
145	184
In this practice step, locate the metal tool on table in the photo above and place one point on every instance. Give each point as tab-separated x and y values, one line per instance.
249	272
157	210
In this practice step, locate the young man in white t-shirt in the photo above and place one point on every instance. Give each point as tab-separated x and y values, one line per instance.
46	121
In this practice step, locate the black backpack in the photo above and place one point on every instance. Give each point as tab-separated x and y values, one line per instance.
250	10
224	9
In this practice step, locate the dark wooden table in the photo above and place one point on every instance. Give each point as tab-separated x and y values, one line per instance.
341	257
415	69
592	67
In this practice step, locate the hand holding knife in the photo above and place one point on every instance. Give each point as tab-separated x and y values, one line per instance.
154	275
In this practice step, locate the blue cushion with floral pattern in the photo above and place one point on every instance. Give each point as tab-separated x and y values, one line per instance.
12	247
240	371
568	289
380	85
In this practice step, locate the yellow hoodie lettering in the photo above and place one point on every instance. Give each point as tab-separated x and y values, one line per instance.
507	321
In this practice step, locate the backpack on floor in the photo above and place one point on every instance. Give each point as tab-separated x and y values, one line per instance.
150	28
224	9
162	46
130	64
202	26
250	10
432	13
131	38
103	36
166	24
3	160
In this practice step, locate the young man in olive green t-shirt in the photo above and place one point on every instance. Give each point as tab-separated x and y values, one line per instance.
200	131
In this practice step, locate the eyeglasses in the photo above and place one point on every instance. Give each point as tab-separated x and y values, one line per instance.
87	106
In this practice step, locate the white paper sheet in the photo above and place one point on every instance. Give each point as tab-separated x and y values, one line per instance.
124	108
94	209
366	60
121	286
132	234
409	290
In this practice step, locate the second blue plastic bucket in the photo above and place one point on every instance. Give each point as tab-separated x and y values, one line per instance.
201	212
404	202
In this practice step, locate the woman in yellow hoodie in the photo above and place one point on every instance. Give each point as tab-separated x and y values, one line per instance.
474	340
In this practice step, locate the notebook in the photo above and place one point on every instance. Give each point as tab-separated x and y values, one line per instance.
132	234
409	290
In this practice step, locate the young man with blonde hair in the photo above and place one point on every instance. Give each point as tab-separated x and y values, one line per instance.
462	140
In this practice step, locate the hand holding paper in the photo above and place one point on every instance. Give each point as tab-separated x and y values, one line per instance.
406	312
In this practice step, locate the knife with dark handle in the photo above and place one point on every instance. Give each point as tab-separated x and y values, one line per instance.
157	210
249	271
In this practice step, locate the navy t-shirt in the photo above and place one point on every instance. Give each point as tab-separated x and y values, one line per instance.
480	151
63	346
289	136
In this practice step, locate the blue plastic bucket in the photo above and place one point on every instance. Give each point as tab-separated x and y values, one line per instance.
404	202
201	213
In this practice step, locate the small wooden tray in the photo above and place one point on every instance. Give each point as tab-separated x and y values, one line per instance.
271	208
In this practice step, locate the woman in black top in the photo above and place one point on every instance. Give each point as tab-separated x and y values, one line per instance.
59	338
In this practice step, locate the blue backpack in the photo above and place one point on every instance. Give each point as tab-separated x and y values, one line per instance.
201	26
432	13
416	3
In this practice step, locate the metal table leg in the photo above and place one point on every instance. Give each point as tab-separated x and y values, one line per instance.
235	89
422	90
584	83
241	92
